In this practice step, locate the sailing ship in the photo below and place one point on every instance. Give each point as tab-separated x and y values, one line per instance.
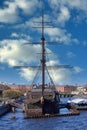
43	100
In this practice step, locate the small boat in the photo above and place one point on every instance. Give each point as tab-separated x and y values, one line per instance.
12	117
78	103
5	108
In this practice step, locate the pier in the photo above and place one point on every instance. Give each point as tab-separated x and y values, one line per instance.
73	111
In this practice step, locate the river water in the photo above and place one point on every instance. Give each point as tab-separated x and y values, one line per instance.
55	123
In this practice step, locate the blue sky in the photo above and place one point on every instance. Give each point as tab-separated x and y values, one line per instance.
69	28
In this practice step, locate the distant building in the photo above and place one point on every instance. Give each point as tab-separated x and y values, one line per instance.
85	88
21	88
62	89
66	89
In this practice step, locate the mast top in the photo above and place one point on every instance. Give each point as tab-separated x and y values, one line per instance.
43	38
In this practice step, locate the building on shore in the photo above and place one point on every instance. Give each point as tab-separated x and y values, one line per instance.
27	88
66	89
22	88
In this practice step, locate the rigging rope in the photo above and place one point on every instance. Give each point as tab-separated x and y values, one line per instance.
36	75
50	77
49	73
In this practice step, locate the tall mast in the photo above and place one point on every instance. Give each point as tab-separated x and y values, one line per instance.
43	55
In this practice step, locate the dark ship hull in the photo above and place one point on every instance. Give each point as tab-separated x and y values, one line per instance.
50	107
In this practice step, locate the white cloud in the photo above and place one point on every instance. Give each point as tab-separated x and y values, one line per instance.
61	35
52	63
61	8
59	76
28	6
78	4
10	12
13	52
64	15
34	22
14	35
70	54
55	34
27	74
66	6
20	36
77	69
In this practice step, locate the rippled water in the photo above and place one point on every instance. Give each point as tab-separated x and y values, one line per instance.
55	123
